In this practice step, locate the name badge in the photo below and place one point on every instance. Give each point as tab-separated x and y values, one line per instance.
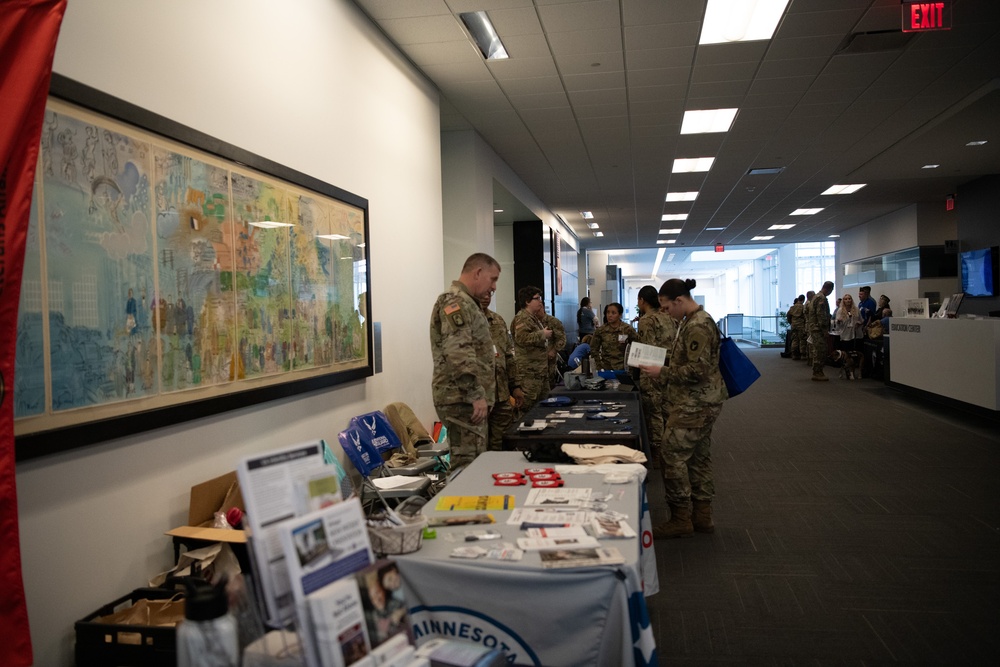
622	338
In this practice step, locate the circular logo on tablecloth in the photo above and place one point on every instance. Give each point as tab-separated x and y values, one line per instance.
461	623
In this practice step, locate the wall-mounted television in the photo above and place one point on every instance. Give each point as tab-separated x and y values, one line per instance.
980	272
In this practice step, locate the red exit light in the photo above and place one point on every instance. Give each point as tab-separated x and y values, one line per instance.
926	16
719	247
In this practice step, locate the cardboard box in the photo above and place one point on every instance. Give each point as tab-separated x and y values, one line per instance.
208	498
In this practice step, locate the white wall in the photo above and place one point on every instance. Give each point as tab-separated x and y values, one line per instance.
309	84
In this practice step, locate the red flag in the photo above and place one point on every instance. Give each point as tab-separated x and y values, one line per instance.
28	31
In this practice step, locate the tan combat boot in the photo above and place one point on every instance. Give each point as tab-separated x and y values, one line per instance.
679	525
702	516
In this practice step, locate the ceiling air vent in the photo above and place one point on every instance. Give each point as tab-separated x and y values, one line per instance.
875	41
765	171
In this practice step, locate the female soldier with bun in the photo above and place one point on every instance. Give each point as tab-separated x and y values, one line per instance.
694	395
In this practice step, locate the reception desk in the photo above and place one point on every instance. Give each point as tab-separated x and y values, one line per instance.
957	359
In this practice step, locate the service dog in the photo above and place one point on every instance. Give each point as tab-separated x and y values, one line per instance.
848	363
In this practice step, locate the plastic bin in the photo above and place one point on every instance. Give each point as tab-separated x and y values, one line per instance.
100	644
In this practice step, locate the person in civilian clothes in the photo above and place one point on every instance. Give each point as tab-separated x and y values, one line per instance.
695	392
607	345
464	381
818	326
658	329
533	339
866	305
509	396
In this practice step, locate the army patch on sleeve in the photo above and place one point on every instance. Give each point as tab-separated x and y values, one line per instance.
456	318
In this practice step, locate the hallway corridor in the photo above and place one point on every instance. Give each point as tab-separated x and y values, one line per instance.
854	525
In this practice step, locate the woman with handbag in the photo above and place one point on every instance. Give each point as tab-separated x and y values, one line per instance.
694	394
849	325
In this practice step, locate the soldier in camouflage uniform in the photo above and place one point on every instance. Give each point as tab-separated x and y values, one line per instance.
558	344
655	328
464	382
810	295
818	326
695	392
533	339
797	328
607	346
508	393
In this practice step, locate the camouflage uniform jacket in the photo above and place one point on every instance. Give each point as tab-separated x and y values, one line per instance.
695	388
608	352
530	345
507	376
558	339
797	316
462	349
656	328
818	315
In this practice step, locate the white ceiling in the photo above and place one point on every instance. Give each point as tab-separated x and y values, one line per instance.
587	110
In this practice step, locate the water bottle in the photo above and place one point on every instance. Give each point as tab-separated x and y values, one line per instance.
208	637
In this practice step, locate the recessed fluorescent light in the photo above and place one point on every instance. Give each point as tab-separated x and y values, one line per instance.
484	35
762	238
714	229
598	234
587	215
673	216
740	20
833	236
704	121
692	164
843	189
498	210
670	257
976	143
805	211
780	227
593	225
332	237
656	264
682	196
765	171
930	166
269	224
670	231
662	241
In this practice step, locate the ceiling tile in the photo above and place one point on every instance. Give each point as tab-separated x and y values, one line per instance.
585	41
730	72
615	110
598	81
662	35
513	22
639	59
737	52
579	15
533	86
590	63
540	101
525	46
673	76
423	29
780	69
718	89
644	12
522	68
789	84
656	93
599	97
453	73
808	24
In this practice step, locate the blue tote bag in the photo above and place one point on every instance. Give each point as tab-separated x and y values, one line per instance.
737	370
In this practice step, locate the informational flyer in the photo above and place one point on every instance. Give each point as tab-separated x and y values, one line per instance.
477	503
640	354
272	485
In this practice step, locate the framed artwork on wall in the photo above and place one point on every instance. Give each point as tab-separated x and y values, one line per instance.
170	276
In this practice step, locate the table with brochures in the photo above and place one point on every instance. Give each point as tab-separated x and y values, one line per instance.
583	615
623	426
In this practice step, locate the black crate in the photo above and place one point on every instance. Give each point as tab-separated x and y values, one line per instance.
110	645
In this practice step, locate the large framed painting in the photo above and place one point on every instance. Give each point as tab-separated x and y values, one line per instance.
169	276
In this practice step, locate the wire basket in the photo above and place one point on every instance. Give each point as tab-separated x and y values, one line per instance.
390	539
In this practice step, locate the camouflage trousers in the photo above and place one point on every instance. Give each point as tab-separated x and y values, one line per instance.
535	388
653	413
467	441
817	350
798	343
686	462
501	416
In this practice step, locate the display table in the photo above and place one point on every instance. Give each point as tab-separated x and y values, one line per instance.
958	359
588	616
581	430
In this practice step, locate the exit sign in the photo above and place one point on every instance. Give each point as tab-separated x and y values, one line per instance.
926	16
719	247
